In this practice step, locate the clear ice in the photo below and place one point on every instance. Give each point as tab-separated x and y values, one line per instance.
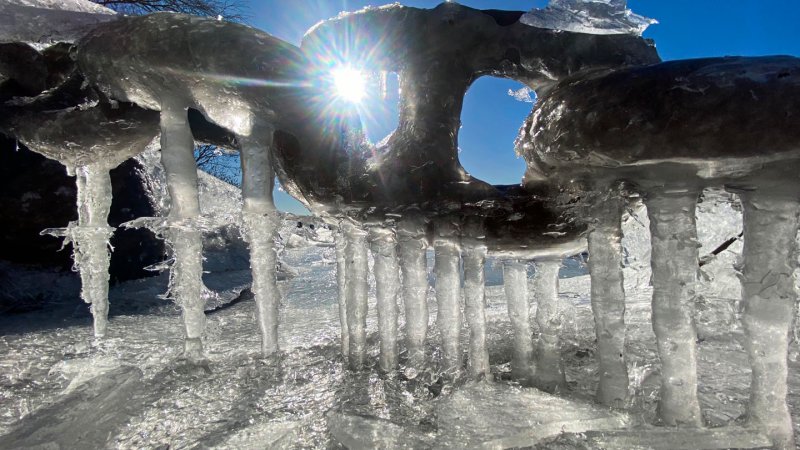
588	16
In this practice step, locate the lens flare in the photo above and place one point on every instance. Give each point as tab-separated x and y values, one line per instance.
350	84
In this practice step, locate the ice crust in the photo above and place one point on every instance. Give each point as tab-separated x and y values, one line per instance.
588	16
44	22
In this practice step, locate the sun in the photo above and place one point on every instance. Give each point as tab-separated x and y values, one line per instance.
350	84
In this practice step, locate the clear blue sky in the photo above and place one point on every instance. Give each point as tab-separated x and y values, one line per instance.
491	118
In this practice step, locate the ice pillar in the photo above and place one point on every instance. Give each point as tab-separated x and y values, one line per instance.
383	243
515	281
448	293
474	256
608	301
356	292
341	245
90	241
412	244
549	374
674	264
261	220
770	227
177	156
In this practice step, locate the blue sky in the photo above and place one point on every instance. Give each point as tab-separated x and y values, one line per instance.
491	118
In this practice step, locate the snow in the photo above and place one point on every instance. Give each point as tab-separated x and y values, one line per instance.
588	16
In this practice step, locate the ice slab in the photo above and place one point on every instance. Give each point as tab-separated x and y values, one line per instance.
49	21
520	417
368	432
277	436
87	417
670	439
588	16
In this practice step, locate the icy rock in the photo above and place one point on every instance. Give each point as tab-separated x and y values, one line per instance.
519	417
418	163
589	16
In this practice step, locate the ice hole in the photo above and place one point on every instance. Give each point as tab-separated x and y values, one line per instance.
490	121
379	111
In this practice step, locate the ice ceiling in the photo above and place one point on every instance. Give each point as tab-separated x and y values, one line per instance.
613	125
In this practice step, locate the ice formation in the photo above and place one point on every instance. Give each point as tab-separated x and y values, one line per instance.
669	161
595	141
589	16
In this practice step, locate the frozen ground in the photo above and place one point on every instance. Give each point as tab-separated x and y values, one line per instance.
132	389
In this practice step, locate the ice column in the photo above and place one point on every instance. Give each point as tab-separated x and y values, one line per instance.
356	291
474	256
674	262
608	301
770	227
549	374
448	293
383	243
341	245
90	241
412	244
261	220
515	281
177	156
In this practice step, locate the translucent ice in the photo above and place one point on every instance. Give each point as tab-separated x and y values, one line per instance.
589	16
48	21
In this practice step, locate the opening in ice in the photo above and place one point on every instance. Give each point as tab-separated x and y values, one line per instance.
490	116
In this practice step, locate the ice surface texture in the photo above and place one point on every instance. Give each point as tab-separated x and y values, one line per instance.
588	16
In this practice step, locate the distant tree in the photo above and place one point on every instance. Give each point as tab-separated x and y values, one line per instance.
220	163
231	10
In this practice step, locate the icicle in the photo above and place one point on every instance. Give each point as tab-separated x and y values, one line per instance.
549	374
770	227
412	245
608	301
674	263
356	291
177	147
383	243
341	245
448	293
90	241
474	255
261	220
515	281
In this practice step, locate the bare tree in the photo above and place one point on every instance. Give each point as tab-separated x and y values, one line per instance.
220	163
231	10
